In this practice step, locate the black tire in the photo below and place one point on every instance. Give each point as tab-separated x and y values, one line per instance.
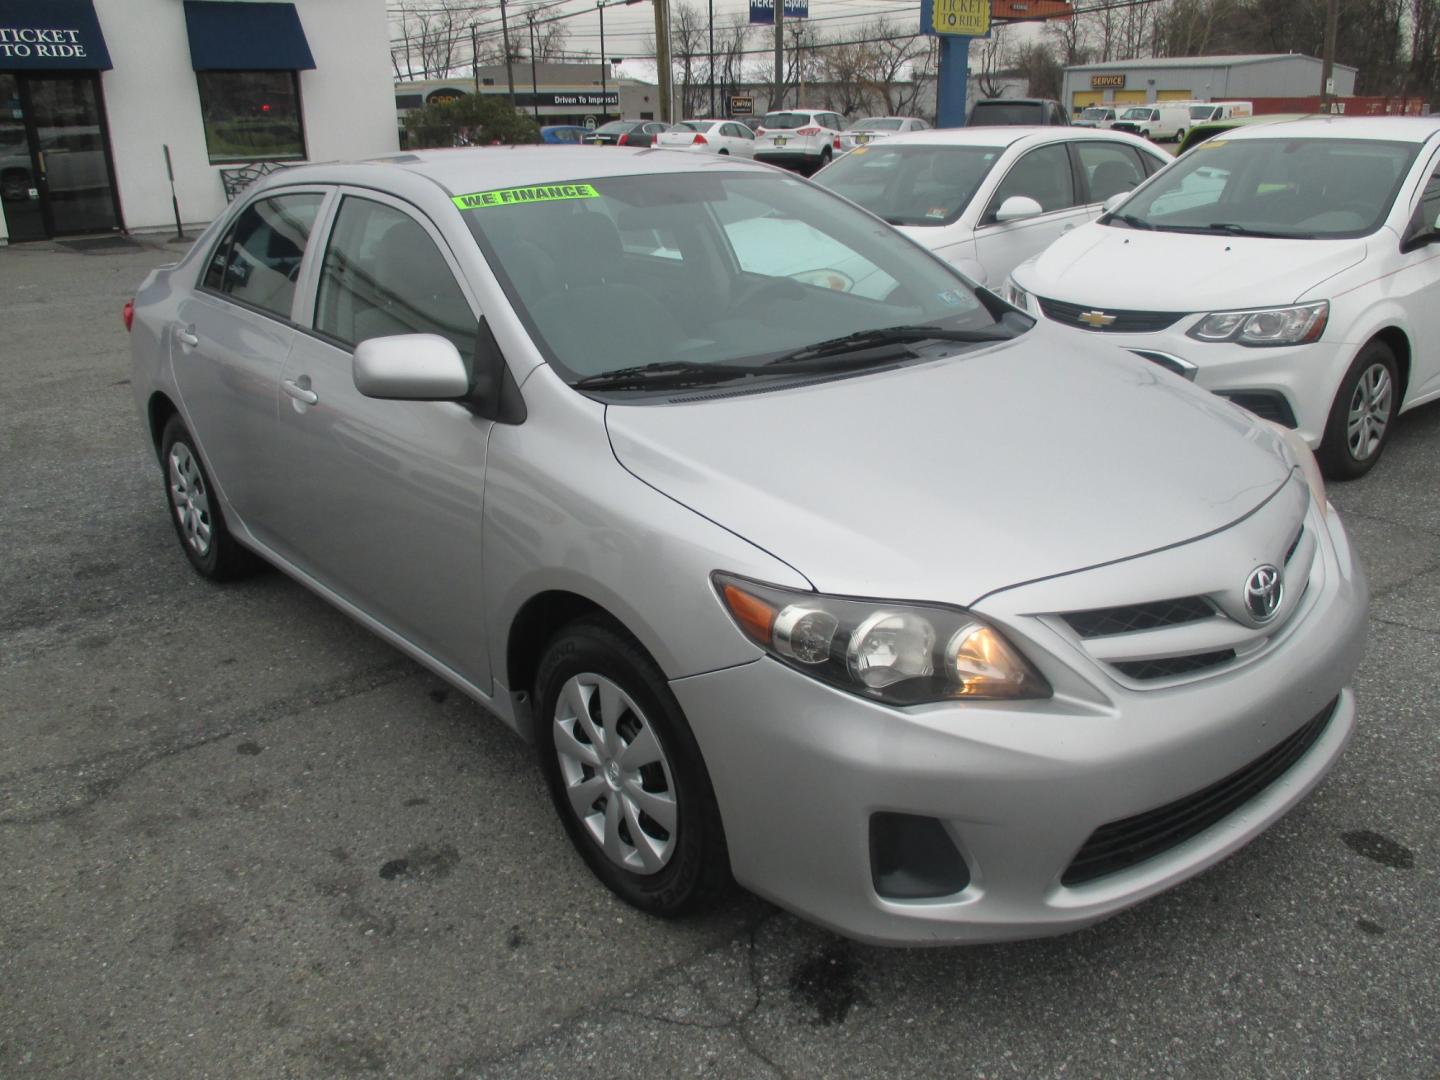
697	867
220	558
724	153
1340	459
1179	136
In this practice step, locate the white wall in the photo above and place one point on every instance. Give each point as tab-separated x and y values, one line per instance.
152	99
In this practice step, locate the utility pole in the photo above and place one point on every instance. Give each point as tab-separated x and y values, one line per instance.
665	74
474	58
509	70
1327	69
779	102
534	83
604	62
712	58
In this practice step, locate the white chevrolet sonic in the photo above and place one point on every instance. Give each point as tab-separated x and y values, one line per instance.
1291	268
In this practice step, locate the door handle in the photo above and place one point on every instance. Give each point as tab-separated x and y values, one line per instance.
186	337
300	393
40	154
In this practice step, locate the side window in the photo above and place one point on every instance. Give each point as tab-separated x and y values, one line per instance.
1109	168
1429	208
259	259
1043	175
383	275
833	121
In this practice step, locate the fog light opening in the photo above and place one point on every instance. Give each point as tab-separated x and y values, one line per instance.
913	858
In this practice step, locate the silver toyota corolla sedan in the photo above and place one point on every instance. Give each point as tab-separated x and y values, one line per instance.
798	557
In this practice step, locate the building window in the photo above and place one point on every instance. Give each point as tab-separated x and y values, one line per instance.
251	115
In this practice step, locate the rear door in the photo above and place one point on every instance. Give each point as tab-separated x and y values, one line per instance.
1106	169
1046	175
232	335
382	499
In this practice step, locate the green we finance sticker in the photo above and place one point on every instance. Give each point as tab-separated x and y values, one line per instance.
517	195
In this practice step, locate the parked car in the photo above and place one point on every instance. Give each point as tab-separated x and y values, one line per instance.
729	137
892	661
627	133
1210	128
987	199
875	128
1159	122
1289	267
798	138
1006	112
1096	116
563	133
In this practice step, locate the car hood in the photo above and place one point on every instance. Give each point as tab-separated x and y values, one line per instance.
951	478
1157	271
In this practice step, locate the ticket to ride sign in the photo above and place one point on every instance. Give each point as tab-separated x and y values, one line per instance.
968	17
955	18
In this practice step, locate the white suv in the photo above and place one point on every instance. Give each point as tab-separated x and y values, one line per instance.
801	138
1289	267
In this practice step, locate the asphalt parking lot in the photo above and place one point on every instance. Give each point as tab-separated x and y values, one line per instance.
239	836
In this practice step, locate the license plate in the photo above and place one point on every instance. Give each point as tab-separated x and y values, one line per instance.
779	140
862	138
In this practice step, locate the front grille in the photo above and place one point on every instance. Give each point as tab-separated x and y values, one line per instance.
1123	844
1170	666
1267	404
1126	322
1102	622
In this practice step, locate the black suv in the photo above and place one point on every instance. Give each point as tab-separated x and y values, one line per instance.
1032	111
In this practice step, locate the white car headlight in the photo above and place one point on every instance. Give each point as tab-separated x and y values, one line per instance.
902	654
1298	325
1016	295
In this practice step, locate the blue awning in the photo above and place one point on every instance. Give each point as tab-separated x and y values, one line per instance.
51	35
246	37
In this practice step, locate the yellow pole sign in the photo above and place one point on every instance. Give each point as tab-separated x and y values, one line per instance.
968	17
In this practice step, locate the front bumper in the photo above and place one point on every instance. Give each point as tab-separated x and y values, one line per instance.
800	768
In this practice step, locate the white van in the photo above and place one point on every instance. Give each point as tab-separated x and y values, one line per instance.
1157	121
1202	112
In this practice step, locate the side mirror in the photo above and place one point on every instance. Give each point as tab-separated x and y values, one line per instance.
1018	206
410	367
1419	233
1113	202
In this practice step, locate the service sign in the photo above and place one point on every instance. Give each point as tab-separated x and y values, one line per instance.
762	12
1108	82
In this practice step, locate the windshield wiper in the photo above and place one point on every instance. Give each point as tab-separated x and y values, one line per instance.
674	373
1245	230
877	339
1133	221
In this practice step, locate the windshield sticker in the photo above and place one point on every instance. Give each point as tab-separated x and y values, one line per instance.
1213	144
950	298
515	196
935	212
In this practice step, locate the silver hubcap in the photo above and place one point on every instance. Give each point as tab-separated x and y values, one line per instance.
616	776
1369	412
190	499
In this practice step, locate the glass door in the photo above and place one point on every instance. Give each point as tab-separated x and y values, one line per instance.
72	153
19	190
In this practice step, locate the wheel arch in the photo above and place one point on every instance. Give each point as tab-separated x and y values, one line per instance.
158	411
1399	343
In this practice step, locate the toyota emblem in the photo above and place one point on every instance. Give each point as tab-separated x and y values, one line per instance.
1263	592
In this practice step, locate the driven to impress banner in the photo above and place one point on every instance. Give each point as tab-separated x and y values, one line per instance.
762	12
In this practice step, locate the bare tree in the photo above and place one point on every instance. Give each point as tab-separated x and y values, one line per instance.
430	35
987	61
551	35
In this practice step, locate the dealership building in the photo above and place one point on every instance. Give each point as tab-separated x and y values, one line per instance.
1201	78
103	102
554	93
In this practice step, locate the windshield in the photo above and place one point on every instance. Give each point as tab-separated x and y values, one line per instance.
911	185
1097	114
615	127
1204	112
761	266
1302	188
995	112
1135	114
880	123
694	125
786	121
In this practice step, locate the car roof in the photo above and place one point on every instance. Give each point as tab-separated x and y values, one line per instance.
463	170
1004	135
1416	129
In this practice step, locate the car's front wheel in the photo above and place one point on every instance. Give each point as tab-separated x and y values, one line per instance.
195	510
1362	414
625	772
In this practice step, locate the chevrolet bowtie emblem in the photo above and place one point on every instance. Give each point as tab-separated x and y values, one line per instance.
1097	319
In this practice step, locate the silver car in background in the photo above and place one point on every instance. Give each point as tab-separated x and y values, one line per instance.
919	618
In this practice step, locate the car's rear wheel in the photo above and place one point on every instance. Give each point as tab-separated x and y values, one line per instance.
625	772
195	510
1180	136
1362	414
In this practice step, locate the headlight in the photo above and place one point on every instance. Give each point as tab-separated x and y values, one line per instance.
1016	295
1297	325
1298	453
902	654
